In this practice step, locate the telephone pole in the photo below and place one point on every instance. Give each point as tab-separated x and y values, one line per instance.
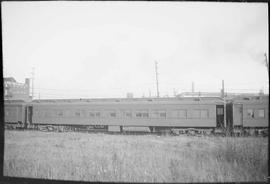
174	92
33	74
222	90
266	62
224	101
157	79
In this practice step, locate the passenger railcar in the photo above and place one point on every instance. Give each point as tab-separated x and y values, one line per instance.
249	114
114	114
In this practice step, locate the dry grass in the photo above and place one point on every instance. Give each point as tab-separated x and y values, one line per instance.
131	158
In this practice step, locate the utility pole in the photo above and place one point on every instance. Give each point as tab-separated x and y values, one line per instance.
266	62
157	78
33	74
222	90
224	101
174	92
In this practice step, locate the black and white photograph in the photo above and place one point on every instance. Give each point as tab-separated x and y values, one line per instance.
135	91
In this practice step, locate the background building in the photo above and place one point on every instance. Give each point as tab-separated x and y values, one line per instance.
227	95
14	90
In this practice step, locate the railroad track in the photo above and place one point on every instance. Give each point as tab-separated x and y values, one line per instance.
192	132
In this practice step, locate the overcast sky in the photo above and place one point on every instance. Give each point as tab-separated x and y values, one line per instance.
106	49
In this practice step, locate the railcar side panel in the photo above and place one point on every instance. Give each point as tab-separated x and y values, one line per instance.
255	115
238	115
14	113
177	115
251	112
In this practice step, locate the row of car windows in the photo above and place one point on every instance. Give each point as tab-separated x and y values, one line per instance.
177	113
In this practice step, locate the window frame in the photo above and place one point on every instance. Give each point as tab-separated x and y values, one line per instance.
108	113
219	109
126	113
93	113
252	115
144	114
207	114
261	110
59	112
179	113
185	113
157	113
48	113
200	114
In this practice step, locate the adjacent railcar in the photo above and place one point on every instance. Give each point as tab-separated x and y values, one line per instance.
155	113
249	114
15	114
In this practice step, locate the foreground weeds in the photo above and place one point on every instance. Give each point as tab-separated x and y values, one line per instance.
131	158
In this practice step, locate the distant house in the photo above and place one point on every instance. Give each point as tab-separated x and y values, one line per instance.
14	90
199	94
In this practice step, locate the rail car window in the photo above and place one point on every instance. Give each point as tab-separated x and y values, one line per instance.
158	114
97	114
200	113
196	114
127	113
162	114
155	114
219	111
11	112
250	113
94	113
6	112
110	113
91	114
261	113
204	113
113	114
182	113
38	113
179	113
77	113
174	113
48	114
68	113
59	113
142	114
138	114
83	113
145	114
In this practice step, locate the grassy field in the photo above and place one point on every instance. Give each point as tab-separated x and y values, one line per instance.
134	158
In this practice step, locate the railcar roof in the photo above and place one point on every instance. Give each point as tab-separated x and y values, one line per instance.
14	102
183	100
